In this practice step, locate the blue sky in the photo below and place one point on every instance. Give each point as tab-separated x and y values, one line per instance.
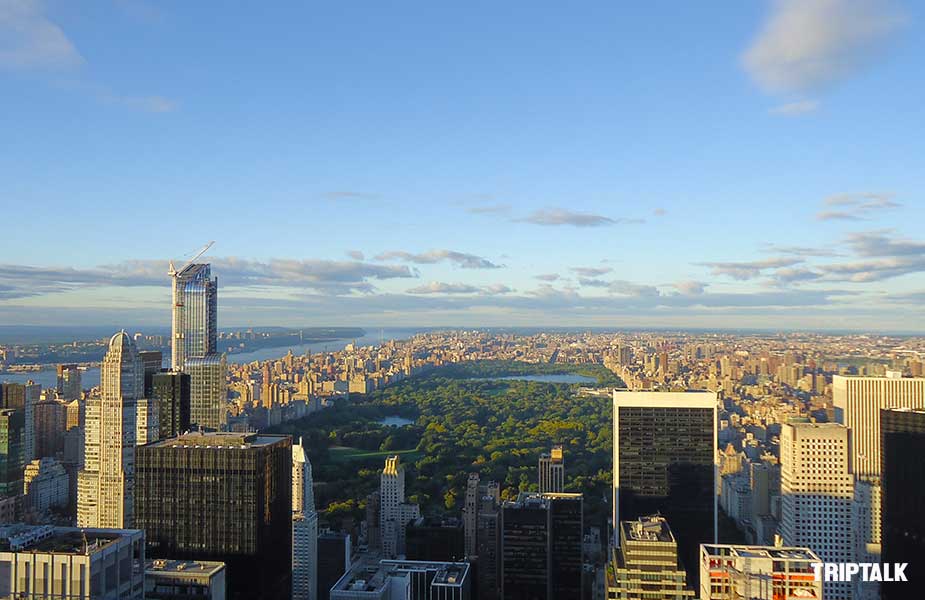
734	164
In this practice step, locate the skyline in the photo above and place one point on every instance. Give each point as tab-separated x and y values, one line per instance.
537	166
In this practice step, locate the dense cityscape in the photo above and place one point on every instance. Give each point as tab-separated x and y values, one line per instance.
736	462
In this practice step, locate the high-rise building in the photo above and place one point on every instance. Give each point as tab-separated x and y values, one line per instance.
664	463
45	485
184	580
105	485
147	421
471	514
221	497
817	490
903	487
304	528
541	547
207	391
645	565
404	580
429	539
334	552
195	318
171	390
488	548
68	562
23	397
729	572
394	512
50	424
68	384
858	401
12	428
152	361
552	471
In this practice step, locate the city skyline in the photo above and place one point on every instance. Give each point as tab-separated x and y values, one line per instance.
537	166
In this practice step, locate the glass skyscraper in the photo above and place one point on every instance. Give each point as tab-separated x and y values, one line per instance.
195	308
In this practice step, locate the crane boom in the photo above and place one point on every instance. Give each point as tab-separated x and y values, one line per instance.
172	271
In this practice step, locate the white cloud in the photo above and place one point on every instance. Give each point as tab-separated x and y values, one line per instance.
811	44
30	40
793	109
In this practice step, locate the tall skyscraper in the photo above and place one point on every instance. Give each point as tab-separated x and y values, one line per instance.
171	390
105	485
12	427
541	547
664	463
50	423
334	552
195	319
729	572
221	497
24	397
395	513
488	532
68	384
207	391
304	528
858	401
552	471
903	481
817	490
152	361
470	515
646	563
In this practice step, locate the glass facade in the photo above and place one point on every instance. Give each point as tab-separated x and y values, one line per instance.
207	391
12	425
195	308
172	393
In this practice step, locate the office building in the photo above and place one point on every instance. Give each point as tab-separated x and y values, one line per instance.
394	512
903	488
858	401
184	580
470	514
12	428
664	463
541	547
817	490
152	362
23	397
552	471
50	424
405	580
68	382
304	528
105	485
223	497
334	552
488	537
428	539
645	565
195	314
207	391
45	485
171	390
730	572
68	562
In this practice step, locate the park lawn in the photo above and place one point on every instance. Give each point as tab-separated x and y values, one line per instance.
340	454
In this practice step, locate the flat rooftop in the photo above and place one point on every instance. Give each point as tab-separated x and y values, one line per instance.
775	552
181	568
60	540
372	577
647	529
220	439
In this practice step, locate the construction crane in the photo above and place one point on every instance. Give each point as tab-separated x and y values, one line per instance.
174	272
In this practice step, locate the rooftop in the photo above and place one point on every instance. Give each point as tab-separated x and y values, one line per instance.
647	529
775	552
220	439
189	568
59	540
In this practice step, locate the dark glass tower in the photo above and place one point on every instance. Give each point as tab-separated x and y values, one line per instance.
541	547
152	361
171	390
663	463
223	497
12	426
902	446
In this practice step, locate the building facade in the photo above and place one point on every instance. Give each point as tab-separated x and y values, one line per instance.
45	485
184	580
304	528
12	431
394	512
68	382
195	314
645	566
552	471
171	391
731	572
105	485
207	391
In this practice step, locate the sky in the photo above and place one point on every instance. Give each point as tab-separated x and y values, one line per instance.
754	164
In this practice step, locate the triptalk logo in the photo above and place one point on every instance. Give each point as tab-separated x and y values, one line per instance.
886	572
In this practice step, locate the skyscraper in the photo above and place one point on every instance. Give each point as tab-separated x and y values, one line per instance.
470	515
664	463
207	391
334	553
221	497
903	481
68	383
50	423
646	564
171	390
817	490
105	485
304	528
195	321
541	547
395	513
12	429
152	361
552	471
24	397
